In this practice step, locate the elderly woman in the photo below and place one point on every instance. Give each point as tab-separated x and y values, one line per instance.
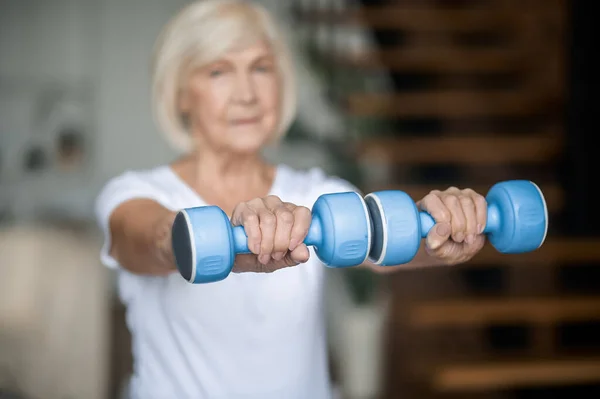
223	89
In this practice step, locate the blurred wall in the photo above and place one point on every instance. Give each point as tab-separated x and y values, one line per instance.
87	63
84	61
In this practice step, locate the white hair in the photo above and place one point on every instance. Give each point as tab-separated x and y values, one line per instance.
199	34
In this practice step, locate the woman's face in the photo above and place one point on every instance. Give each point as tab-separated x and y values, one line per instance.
233	103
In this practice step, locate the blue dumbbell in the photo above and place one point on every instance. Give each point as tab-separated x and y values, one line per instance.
517	222
205	243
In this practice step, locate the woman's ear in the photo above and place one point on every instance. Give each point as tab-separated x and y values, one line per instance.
184	107
183	101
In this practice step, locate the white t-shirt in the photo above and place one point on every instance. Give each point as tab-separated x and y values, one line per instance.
250	336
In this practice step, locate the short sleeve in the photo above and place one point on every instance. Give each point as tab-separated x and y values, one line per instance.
334	184
127	186
330	184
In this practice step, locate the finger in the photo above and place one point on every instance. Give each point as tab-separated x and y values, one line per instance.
236	215
468	251
290	206
272	202
477	245
302	221
247	217
255	204
300	254
480	211
447	250
282	225
432	204
424	202
440	233
438	236
453	190
468	208
283	231
267	222
458	221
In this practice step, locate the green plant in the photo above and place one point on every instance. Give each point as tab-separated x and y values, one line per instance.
363	284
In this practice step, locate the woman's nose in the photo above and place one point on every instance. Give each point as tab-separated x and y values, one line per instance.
245	91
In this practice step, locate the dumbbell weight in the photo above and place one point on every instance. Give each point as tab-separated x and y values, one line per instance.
517	222
205	243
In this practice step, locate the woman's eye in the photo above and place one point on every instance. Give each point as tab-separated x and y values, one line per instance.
263	68
216	72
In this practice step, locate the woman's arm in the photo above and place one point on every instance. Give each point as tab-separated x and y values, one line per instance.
140	231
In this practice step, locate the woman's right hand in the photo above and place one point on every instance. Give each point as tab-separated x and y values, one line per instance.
275	230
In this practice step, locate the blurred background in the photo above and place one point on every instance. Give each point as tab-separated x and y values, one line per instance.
403	94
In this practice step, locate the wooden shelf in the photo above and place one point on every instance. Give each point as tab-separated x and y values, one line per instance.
515	374
479	149
479	312
441	40
438	60
553	194
417	18
447	104
553	251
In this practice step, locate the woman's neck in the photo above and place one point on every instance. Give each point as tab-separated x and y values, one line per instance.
226	180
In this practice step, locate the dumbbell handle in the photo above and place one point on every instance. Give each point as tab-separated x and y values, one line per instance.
314	236
492	224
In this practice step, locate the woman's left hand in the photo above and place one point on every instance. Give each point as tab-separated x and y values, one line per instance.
460	217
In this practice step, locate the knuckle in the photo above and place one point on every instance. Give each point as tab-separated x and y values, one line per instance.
254	203
268	219
251	218
303	215
288	205
285	216
303	210
480	201
429	199
432	196
451	200
466	202
272	199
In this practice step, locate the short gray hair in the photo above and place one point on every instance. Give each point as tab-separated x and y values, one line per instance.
200	33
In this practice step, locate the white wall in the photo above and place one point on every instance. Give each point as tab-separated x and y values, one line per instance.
128	137
98	53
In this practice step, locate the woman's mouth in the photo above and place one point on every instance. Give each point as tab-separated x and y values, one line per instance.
245	121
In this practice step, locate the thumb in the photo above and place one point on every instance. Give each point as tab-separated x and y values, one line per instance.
300	254
438	235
